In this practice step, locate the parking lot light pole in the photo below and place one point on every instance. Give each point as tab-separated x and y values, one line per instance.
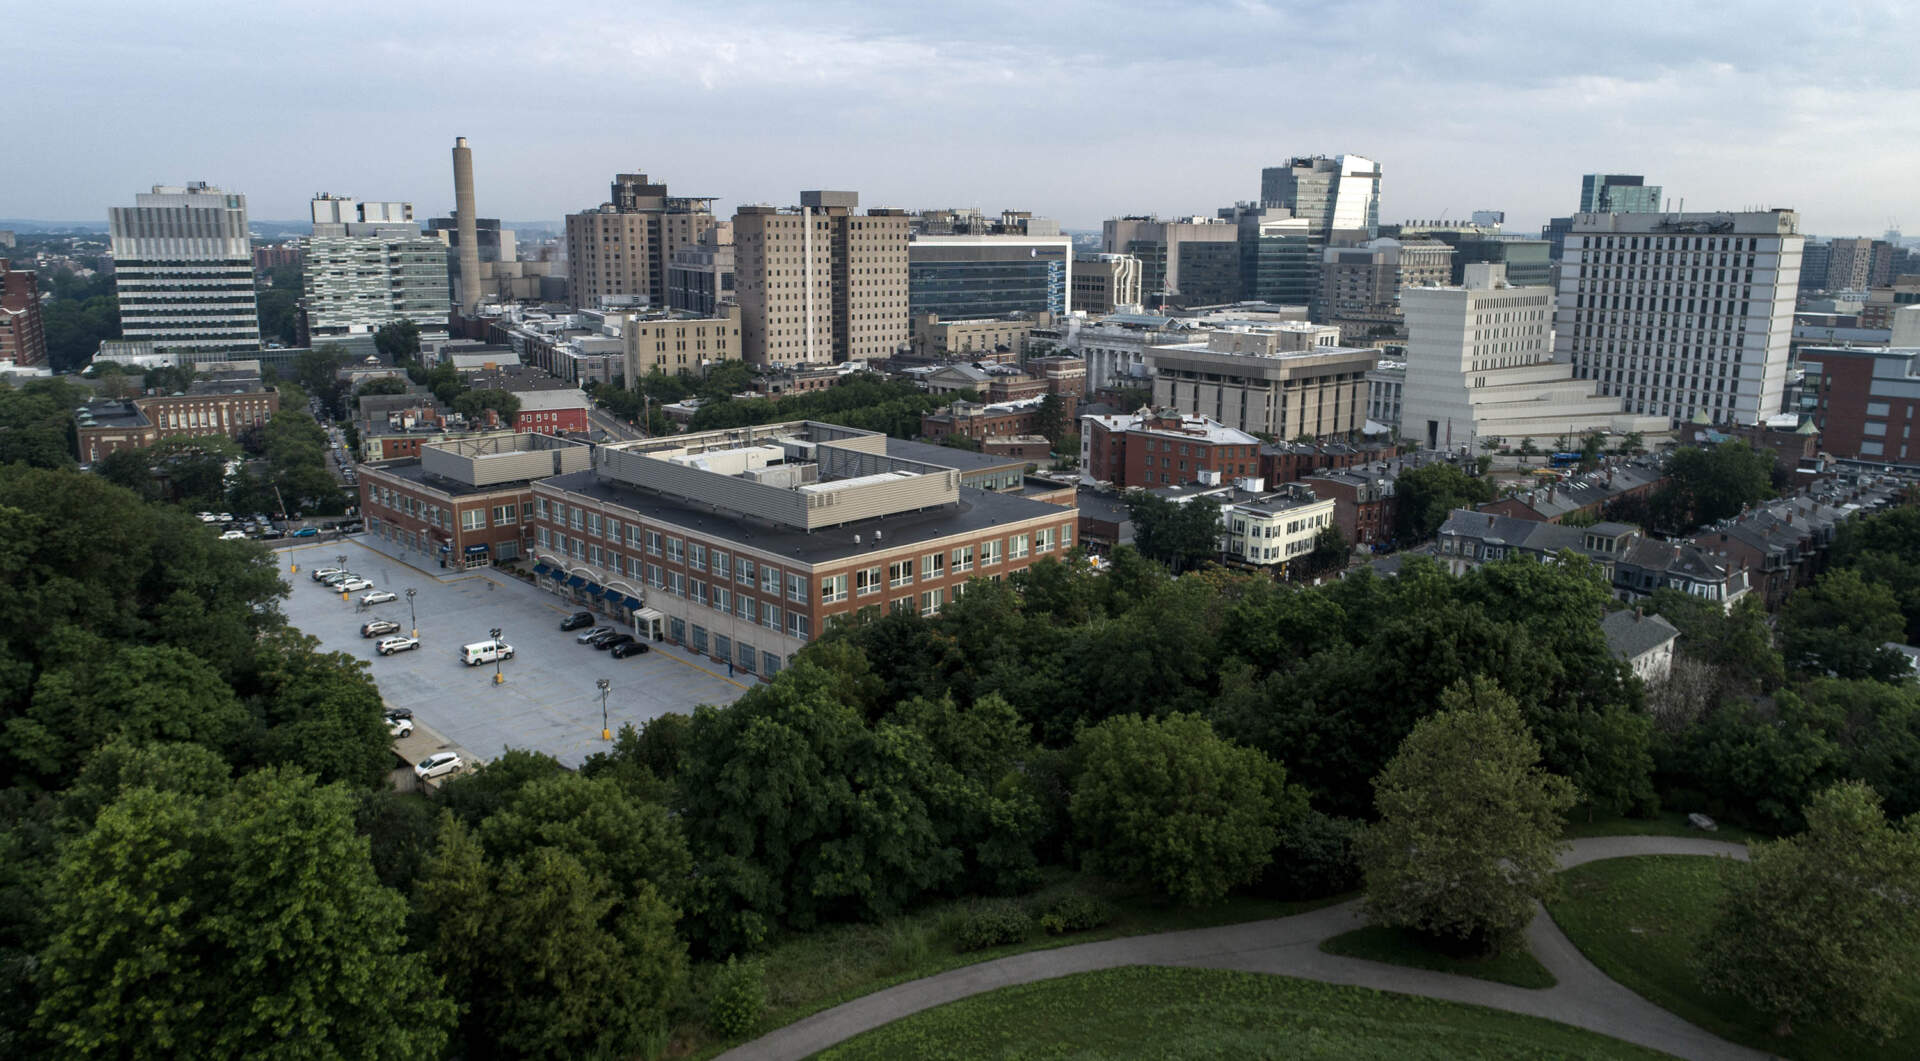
342	559
413	616
606	730
497	678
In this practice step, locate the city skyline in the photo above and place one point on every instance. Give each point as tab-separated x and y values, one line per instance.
1076	111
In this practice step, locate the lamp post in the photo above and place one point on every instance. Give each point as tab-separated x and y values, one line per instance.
412	615
342	561
606	730
497	678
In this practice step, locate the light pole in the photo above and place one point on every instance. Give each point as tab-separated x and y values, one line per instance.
497	678
606	730
413	616
342	563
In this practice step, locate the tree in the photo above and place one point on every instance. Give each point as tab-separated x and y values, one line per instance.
75	327
1885	548
398	340
1051	418
471	404
1424	497
1735	640
1330	550
381	385
1469	824
1840	625
1178	534
1591	447
1708	485
36	422
250	924
1168	803
1822	924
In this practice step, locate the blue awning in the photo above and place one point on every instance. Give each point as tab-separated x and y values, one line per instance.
577	581
594	590
556	574
541	569
633	603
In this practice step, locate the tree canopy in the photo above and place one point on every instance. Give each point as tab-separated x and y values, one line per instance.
1706	485
1179	534
1424	496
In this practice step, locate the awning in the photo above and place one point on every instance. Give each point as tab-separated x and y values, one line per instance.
577	581
594	590
650	615
541	569
556	574
633	603
480	548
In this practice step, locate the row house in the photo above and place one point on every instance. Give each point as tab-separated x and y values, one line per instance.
1633	564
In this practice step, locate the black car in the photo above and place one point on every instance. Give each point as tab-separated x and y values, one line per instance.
615	640
600	640
630	648
576	621
399	712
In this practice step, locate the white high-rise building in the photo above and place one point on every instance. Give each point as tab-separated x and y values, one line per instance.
183	270
367	266
1682	314
1480	367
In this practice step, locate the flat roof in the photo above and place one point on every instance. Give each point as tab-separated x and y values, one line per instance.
977	511
411	470
965	460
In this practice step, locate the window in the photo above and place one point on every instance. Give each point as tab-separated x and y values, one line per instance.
798	626
900	573
866	581
770	616
797	588
990	553
930	602
700	639
699	594
676	583
722	566
675	553
579	514
749	657
963	559
540	535
833	589
653	543
901	605
613	529
540	508
697	556
1043	540
769	664
1066	536
593	524
1017	547
504	515
747	609
933	565
744	571
770	581
633	537
722	598
656	577
593	555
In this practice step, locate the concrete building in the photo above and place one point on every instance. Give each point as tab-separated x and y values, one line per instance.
225	405
1105	283
1682	314
1866	402
1338	197
745	544
496	245
672	343
700	278
183	270
1150	449
1604	193
1883	302
367	265
974	276
626	246
23	338
819	283
466	502
930	338
1480	368
1191	261
1284	382
1386	392
1849	265
1360	287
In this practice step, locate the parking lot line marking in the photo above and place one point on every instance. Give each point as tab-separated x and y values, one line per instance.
704	671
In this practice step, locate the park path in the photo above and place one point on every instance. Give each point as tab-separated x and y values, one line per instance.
1290	946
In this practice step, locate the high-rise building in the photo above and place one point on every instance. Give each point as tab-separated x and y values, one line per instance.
1618	193
1189	261
1278	262
1682	314
1865	401
625	247
1849	264
1339	197
820	283
1480	367
367	264
183	269
1360	287
969	276
1815	260
1103	283
23	339
1880	264
700	277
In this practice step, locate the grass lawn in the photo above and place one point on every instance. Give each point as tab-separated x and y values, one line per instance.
819	970
1397	946
1142	1011
1637	919
1666	823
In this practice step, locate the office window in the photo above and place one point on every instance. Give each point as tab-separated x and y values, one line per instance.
930	602
770	581
676	583
1043	540
990	553
722	566
578	516
833	589
743	571
722	647
656	576
797	588
749	657
613	529
540	507
503	515
747	609
1017	547
473	519
769	664
769	615
696	556
900	573
540	535
676	552
593	555
933	565
963	559
901	605
633	537
593	524
699	594
799	626
653	543
866	581
700	639
1066	536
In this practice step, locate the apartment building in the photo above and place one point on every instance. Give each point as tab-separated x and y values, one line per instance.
23	338
818	282
745	544
465	502
623	249
1151	449
1283	380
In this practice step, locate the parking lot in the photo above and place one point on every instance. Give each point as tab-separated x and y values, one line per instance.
548	700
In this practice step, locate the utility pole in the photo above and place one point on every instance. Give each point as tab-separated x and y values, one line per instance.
606	729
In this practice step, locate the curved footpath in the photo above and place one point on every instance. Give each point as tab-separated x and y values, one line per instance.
1290	946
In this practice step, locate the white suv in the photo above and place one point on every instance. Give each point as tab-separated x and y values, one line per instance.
436	764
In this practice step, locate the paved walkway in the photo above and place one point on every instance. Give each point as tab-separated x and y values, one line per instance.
1290	946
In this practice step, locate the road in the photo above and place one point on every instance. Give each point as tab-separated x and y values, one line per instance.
1290	946
619	429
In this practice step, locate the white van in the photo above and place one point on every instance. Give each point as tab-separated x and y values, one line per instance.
485	652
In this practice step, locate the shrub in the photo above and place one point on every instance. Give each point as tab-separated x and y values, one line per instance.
1076	912
991	925
1313	859
736	996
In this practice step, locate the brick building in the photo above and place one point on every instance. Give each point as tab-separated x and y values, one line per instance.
976	420
223	407
23	338
746	543
1363	506
547	405
465	502
1866	402
1149	449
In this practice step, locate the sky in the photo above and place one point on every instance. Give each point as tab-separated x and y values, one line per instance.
1077	111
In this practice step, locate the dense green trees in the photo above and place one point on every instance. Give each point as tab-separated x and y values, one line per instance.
472	404
1179	534
36	422
1839	626
1885	548
1706	485
853	401
1469	829
398	340
1424	496
81	313
187	470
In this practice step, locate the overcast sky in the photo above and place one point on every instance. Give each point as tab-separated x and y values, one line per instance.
1077	111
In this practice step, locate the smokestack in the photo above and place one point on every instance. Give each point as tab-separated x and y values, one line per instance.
467	227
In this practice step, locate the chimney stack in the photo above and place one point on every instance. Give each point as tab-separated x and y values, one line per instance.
467	228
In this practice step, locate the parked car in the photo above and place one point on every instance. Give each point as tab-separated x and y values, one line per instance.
485	652
379	596
576	621
334	581
208	517
398	644
321	574
354	585
617	639
226	517
436	764
305	532
399	712
399	727
378	627
598	631
599	639
630	648
232	535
